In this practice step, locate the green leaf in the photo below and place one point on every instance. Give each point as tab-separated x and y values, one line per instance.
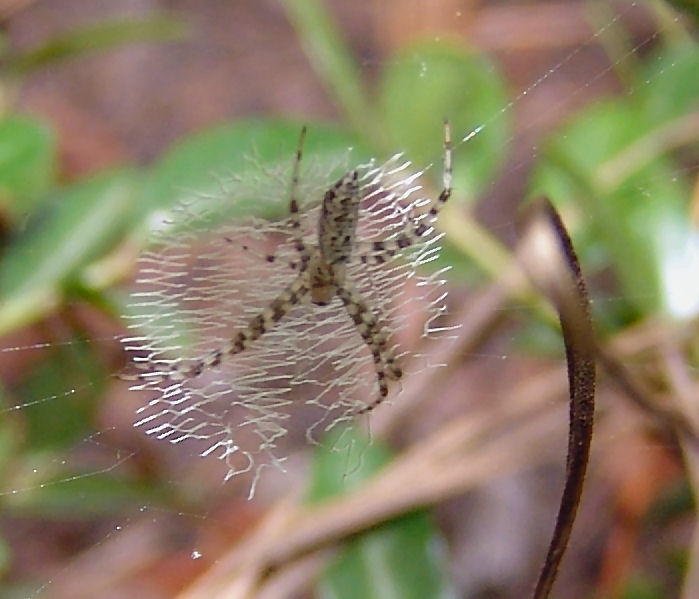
462	269
75	493
27	157
10	433
642	586
97	37
5	558
688	6
343	462
430	82
615	164
81	225
59	394
631	205
403	558
331	57
667	87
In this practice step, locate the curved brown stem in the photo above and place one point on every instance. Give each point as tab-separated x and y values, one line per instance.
549	258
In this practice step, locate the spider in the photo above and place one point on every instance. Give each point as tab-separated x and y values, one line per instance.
321	272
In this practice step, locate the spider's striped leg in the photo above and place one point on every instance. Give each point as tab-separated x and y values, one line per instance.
294	218
378	252
374	335
297	237
271	315
256	327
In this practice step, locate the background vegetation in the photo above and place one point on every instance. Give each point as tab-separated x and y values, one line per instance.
110	117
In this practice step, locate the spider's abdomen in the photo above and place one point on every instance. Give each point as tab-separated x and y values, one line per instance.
324	279
338	219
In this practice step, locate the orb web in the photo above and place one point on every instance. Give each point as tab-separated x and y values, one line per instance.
206	276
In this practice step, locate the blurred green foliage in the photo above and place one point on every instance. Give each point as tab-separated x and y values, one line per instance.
642	587
401	558
620	167
27	164
92	37
618	170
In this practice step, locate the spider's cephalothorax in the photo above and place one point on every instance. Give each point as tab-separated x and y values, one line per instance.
322	271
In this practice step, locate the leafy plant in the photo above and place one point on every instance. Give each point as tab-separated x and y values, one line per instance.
620	170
